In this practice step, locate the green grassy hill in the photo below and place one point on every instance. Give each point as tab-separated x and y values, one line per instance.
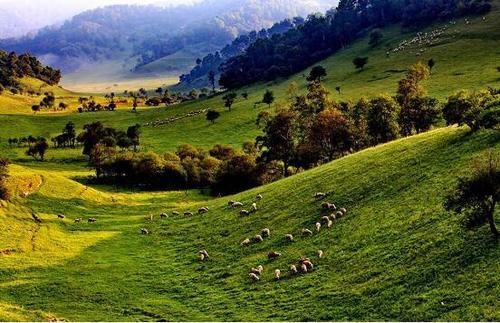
397	255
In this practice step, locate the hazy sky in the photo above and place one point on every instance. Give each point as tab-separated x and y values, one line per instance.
18	17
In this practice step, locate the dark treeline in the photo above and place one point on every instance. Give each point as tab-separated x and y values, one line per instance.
13	66
212	62
321	35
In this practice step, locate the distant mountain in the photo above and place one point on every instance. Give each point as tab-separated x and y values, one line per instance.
148	33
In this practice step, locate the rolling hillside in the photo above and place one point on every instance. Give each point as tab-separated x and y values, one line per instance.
397	255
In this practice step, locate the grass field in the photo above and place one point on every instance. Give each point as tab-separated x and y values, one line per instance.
397	255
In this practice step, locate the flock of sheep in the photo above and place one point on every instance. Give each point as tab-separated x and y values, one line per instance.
303	265
161	122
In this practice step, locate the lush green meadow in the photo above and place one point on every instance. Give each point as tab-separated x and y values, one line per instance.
397	255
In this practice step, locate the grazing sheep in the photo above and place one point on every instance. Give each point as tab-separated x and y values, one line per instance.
259	197
329	224
203	210
277	274
203	255
61	216
230	203
78	220
318	226
245	242
258	238
258	270
175	213
320	195
265	233
325	218
254	277
187	213
343	210
254	207
303	268
293	269
320	253
273	255
163	215
244	212
307	232
236	204
151	217
144	231
289	237
309	265
92	220
333	217
339	214
328	206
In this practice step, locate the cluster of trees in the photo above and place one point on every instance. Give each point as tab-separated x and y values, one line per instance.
68	137
90	105
223	169
4	193
49	102
313	129
13	66
38	148
95	134
321	35
211	62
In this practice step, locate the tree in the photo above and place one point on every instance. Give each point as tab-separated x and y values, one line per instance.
212	115
90	137
430	64
48	101
317	73
280	138
211	79
63	106
476	196
410	88
38	149
69	133
331	133
360	62
358	115
159	91
229	99
425	113
133	133
375	37
382	119
466	108
268	98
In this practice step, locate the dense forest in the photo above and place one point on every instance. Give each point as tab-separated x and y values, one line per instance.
322	35
198	76
13	66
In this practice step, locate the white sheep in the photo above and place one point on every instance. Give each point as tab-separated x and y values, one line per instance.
320	253
236	204
328	206
61	216
254	277
258	270
303	268
144	231
289	237
187	213
163	215
339	214
277	274
266	233
203	210
293	269
307	232
245	242
319	195
318	226
309	265
230	203
254	207
343	210
203	254
175	213
78	220
244	212
333	217
329	224
259	197
325	218
258	238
